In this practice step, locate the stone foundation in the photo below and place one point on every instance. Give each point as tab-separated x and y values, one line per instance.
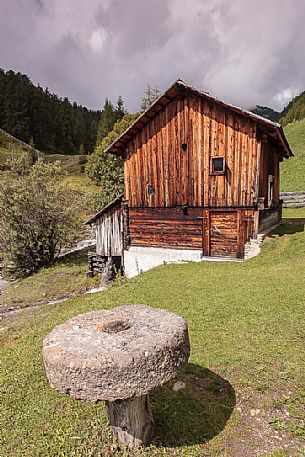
139	259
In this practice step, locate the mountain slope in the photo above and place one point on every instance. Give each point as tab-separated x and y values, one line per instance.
293	169
294	111
30	112
266	112
9	146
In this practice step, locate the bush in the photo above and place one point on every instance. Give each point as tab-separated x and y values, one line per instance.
107	170
38	216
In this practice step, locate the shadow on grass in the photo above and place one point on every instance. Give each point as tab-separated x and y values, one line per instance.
289	227
195	414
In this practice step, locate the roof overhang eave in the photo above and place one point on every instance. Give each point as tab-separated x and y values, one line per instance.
179	87
104	210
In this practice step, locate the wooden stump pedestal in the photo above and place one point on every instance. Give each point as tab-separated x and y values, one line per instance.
131	421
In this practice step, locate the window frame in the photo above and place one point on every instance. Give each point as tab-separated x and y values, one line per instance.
150	190
218	173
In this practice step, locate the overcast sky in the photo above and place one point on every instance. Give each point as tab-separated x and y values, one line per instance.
246	52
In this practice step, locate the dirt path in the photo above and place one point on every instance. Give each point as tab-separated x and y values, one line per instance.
18	309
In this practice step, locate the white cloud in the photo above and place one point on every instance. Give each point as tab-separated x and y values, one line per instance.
284	96
98	40
247	52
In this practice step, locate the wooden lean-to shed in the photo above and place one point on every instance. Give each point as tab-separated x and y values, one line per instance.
108	230
201	180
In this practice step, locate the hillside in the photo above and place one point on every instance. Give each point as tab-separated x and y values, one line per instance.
30	112
293	170
73	167
266	112
10	145
243	385
294	111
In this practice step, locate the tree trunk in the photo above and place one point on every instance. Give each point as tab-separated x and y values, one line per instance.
131	420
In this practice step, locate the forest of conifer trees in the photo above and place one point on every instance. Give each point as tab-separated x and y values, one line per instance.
37	116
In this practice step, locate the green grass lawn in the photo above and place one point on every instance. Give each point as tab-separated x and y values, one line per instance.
294	213
244	390
293	169
87	191
73	164
67	276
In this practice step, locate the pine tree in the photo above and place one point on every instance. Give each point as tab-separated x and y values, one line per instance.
82	150
107	121
120	110
151	95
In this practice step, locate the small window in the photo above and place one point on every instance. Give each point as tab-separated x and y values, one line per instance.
150	190
218	165
270	190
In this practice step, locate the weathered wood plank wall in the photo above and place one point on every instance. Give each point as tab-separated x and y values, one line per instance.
269	165
166	227
168	166
225	232
213	232
109	233
155	157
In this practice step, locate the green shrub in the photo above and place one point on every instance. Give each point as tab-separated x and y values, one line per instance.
106	170
38	215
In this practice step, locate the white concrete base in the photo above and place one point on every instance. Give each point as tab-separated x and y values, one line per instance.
253	247
220	259
139	259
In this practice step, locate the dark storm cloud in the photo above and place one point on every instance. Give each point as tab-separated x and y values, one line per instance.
247	52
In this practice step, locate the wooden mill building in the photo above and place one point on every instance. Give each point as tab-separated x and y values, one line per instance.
201	181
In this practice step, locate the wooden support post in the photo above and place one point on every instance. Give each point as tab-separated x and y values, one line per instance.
90	272
240	235
206	228
131	421
125	226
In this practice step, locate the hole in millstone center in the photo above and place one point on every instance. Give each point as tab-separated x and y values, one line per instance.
116	326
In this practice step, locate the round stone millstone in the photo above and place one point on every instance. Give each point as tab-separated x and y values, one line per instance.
116	354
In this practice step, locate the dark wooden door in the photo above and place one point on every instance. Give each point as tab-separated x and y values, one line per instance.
220	233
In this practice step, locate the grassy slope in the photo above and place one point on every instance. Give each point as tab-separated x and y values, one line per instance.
245	324
7	146
87	191
77	180
293	170
67	276
71	164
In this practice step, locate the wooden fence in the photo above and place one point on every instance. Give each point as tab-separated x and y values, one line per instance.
293	199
